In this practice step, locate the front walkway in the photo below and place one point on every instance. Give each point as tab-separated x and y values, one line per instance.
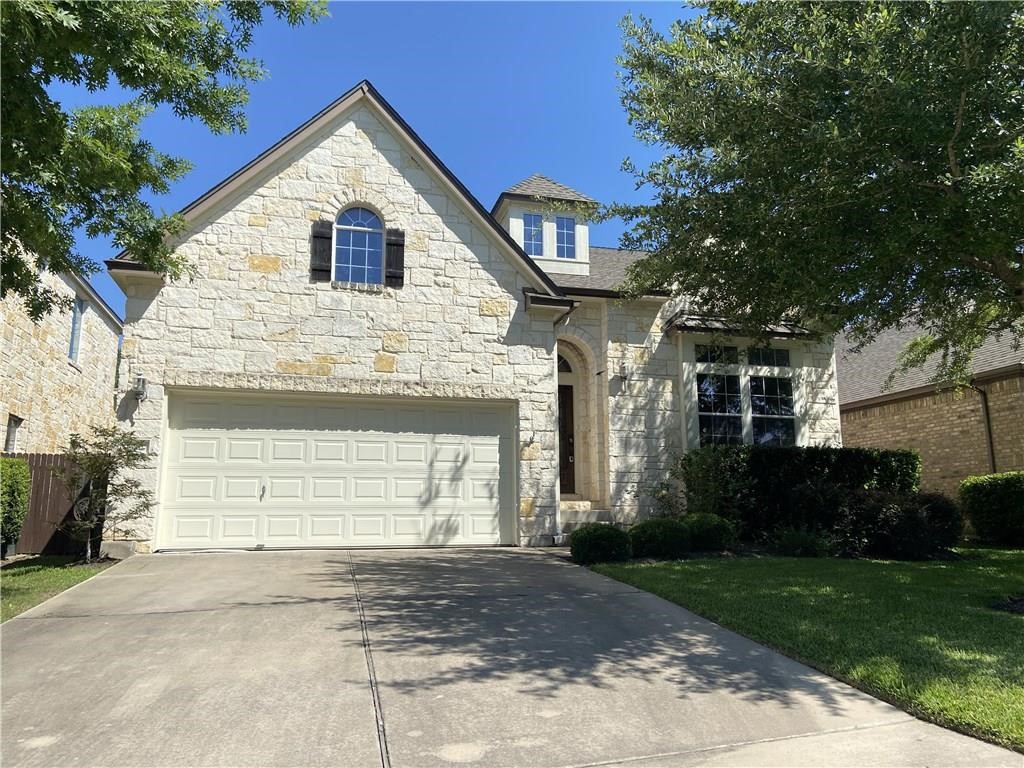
486	657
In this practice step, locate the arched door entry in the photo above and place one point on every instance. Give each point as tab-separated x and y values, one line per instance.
566	432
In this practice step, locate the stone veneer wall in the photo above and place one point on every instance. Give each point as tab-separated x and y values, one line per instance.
947	429
253	320
40	384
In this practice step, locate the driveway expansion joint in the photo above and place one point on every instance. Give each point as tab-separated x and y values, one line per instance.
378	710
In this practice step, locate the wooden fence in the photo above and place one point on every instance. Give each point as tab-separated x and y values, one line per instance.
49	505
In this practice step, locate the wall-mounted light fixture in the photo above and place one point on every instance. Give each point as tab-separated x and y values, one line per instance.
624	371
140	386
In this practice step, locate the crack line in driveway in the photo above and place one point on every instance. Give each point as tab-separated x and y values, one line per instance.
378	710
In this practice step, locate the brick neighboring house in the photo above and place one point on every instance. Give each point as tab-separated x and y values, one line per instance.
57	375
977	431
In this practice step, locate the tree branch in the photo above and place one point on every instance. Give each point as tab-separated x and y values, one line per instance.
954	166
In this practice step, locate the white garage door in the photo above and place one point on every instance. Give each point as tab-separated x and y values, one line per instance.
246	471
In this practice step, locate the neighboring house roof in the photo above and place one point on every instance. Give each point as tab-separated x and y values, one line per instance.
83	286
364	90
607	271
538	186
862	375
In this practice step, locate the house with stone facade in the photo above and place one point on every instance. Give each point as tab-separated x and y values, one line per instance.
368	356
974	431
57	374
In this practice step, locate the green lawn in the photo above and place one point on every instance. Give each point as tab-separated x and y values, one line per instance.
25	583
920	635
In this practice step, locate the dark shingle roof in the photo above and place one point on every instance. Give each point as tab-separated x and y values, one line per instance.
542	186
861	375
607	270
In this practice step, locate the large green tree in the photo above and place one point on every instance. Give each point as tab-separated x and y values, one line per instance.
846	165
89	168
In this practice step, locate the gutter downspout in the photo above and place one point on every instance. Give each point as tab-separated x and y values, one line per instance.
986	415
557	537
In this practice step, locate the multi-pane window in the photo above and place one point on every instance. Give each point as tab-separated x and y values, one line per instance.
770	356
736	405
77	313
771	410
719	409
533	234
565	237
708	353
359	247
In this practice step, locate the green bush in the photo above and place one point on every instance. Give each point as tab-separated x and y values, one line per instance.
799	542
764	490
995	506
599	543
716	481
661	538
709	532
15	482
877	523
944	520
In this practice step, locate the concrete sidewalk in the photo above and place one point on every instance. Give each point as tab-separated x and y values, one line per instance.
486	657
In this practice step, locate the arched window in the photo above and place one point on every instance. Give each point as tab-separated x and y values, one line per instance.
358	247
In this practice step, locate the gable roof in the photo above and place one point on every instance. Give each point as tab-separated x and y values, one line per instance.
363	90
539	186
861	375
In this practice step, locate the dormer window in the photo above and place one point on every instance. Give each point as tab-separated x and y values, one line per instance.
565	237
533	234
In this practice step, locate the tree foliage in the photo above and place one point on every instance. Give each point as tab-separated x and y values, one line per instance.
88	168
847	165
100	476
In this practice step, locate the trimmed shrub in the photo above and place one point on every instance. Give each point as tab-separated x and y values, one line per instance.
709	532
716	481
943	519
599	543
799	542
874	523
995	506
764	490
15	482
661	538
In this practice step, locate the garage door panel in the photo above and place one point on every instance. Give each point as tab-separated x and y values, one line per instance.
330	451
291	473
287	450
238	488
370	452
240	527
199	449
330	489
243	450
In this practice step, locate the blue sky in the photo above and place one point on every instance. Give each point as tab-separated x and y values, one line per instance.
498	90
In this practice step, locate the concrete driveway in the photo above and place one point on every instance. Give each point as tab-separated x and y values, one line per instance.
419	658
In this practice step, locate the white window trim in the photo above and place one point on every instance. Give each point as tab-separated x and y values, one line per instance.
383	243
573	232
525	228
744	371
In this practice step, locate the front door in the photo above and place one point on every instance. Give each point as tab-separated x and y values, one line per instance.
566	441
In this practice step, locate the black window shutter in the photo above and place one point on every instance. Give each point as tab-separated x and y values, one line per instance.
394	259
320	252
